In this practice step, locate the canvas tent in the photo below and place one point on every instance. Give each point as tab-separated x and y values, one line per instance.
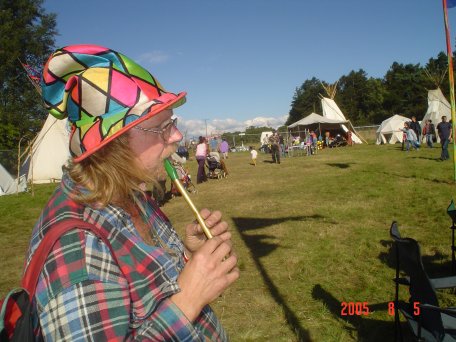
438	106
317	123
389	130
9	185
49	152
332	111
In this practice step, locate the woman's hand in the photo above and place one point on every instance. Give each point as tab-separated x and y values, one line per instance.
210	271
194	235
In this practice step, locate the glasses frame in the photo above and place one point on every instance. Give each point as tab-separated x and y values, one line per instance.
165	129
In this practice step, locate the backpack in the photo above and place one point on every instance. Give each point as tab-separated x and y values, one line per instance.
16	308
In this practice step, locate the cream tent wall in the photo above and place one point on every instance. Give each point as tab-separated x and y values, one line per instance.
332	111
388	132
49	152
438	106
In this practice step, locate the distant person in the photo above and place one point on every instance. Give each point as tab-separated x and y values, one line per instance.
265	146
275	147
200	155
349	138
415	126
253	154
281	145
411	138
445	133
214	144
224	148
429	133
327	138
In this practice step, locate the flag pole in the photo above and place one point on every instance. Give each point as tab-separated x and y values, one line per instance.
451	79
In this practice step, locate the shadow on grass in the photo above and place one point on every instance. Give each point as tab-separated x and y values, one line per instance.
340	165
366	329
434	265
436	159
434	180
259	247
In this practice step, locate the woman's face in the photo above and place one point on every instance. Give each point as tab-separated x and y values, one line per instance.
150	148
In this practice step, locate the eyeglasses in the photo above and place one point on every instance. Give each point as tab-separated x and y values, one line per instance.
165	131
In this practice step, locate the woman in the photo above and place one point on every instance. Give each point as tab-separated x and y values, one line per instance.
155	287
200	155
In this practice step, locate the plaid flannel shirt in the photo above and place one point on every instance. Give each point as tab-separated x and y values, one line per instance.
83	294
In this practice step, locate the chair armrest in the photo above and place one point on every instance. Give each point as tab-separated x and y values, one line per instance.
448	311
402	281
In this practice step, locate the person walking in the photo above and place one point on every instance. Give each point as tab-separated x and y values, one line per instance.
275	147
444	129
411	139
253	155
201	153
429	133
415	126
147	284
224	148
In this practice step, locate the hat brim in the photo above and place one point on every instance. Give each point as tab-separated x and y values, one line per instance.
153	110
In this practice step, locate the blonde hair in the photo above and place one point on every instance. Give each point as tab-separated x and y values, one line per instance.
112	175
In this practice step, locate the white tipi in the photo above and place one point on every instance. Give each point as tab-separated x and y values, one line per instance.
438	106
332	111
49	152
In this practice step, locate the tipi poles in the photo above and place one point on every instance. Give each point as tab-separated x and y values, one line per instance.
451	79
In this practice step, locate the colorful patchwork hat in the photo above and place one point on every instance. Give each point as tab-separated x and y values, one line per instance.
103	93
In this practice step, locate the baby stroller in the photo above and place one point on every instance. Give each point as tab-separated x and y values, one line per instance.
217	168
338	141
185	179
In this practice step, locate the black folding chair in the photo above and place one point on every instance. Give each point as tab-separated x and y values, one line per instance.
427	321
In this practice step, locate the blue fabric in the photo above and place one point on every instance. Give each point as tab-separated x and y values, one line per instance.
451	3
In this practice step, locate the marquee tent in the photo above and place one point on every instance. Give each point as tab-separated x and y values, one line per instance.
49	152
438	106
332	111
317	123
388	132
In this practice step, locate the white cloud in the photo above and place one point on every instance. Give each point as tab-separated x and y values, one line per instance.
195	128
153	57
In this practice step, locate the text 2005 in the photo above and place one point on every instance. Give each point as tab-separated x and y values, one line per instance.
354	308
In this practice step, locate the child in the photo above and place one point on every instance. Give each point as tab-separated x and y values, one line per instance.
254	154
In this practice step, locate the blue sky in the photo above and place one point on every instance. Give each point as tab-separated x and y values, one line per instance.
241	60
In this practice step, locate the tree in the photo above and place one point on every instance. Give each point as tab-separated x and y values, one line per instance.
406	93
305	100
26	34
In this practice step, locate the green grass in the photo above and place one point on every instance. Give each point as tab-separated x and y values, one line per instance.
310	233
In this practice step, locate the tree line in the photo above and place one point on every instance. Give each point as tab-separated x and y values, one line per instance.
367	100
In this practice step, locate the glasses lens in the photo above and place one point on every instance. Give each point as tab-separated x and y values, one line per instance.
169	128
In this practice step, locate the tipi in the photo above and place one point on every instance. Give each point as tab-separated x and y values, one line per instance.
438	106
49	152
332	111
389	130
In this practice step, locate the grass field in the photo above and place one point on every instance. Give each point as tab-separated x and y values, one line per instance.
310	233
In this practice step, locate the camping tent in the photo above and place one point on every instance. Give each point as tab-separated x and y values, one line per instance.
332	111
49	152
438	106
317	123
9	185
389	130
